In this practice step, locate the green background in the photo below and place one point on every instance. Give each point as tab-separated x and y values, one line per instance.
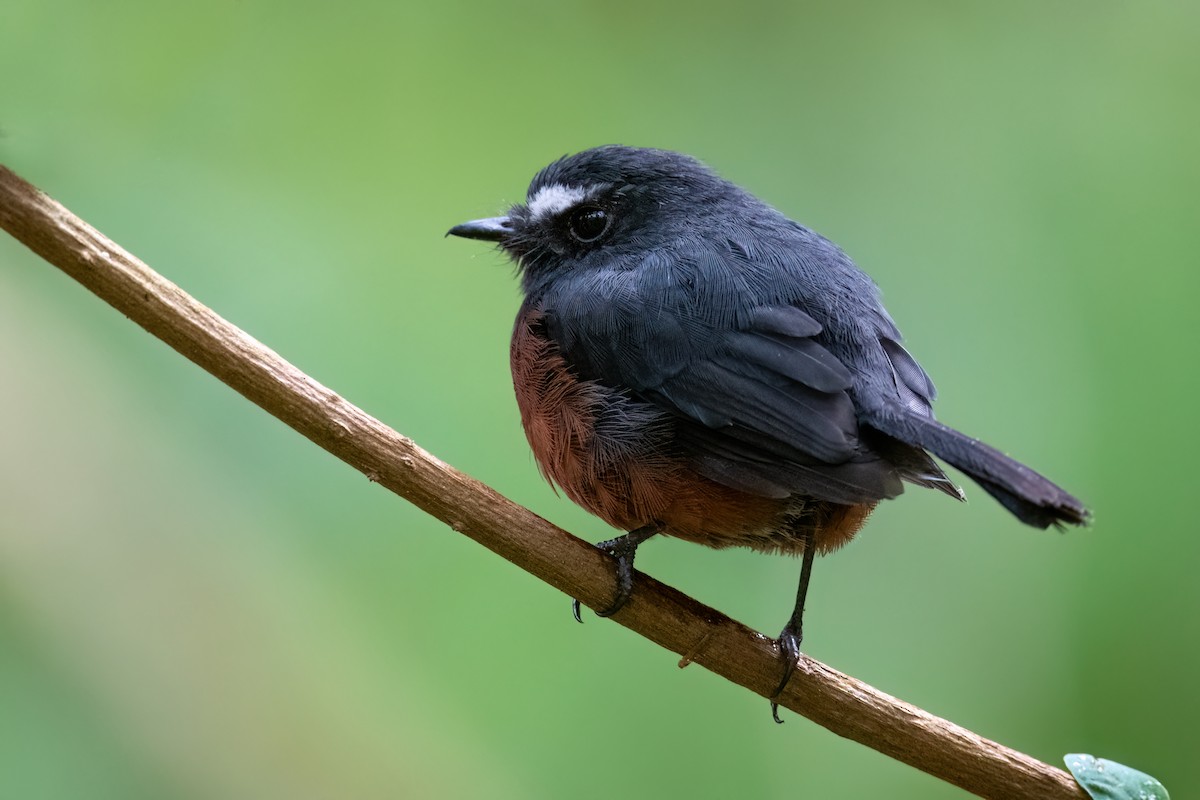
197	603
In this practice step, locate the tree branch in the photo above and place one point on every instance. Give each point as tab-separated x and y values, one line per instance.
699	634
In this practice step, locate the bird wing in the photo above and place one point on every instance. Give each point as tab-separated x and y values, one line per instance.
761	404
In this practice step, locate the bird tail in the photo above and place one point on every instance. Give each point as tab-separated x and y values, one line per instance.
1033	499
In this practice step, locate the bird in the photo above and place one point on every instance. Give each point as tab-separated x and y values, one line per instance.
689	361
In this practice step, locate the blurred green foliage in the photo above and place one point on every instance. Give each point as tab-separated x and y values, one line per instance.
196	603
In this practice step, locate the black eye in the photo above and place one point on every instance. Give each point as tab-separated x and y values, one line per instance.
588	223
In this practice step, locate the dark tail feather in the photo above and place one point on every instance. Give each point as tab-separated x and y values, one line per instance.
1031	498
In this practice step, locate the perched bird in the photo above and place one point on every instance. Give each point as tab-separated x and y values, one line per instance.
691	362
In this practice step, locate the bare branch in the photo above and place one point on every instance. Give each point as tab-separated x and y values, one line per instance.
700	634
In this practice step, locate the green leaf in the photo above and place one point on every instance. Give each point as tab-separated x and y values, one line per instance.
1108	780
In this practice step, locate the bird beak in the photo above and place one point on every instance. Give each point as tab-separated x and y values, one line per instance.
495	229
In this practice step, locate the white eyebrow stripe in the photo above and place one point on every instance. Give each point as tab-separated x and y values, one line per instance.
553	199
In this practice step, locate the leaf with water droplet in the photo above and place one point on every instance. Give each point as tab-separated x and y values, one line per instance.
1107	780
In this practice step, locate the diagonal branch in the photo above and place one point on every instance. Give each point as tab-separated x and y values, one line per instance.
699	634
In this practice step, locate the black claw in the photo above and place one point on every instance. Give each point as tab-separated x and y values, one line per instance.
620	550
789	653
623	549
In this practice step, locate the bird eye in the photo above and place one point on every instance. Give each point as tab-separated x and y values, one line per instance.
588	223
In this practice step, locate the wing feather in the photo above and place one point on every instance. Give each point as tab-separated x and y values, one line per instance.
762	398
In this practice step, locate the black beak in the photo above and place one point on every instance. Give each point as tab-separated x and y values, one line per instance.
495	229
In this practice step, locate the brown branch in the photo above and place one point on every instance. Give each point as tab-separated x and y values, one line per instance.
700	634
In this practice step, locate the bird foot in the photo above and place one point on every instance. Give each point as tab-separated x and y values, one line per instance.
789	653
623	549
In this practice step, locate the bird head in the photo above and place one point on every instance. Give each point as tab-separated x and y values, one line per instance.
610	206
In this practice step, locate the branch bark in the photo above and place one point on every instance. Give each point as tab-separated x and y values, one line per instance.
700	635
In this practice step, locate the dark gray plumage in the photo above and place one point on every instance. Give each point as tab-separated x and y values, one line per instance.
762	337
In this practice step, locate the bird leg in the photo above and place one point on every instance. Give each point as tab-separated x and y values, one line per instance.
623	548
793	633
